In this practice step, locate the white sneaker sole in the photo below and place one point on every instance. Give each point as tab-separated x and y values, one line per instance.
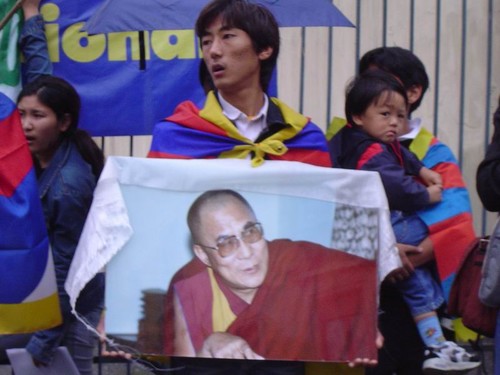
437	366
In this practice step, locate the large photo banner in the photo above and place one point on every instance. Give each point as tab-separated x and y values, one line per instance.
287	256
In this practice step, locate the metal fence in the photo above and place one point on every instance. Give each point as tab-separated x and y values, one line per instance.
458	41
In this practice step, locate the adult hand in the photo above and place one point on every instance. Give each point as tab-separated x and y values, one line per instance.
435	193
225	345
114	353
30	8
367	362
430	177
38	363
407	267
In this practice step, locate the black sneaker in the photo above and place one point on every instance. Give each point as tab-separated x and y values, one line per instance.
448	358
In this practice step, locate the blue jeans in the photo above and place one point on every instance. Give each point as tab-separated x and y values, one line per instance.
81	342
421	291
497	346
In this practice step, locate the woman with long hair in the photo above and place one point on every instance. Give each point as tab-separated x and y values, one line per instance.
68	164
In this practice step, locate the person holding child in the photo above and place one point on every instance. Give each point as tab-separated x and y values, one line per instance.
376	112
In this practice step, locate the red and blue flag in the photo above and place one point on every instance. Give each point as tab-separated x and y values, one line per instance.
28	290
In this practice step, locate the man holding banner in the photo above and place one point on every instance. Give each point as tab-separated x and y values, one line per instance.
240	44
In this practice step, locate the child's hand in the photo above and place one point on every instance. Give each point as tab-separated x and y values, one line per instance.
430	177
435	193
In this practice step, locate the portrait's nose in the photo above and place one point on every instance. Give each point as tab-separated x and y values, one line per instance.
245	250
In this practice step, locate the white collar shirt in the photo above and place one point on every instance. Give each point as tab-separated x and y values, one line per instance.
249	126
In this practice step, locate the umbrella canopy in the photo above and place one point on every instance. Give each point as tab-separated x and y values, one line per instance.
137	15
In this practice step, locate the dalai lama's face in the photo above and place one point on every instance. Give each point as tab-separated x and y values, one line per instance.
244	269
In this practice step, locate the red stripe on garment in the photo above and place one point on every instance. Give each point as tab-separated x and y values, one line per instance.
370	152
15	159
452	177
166	155
187	114
450	239
315	157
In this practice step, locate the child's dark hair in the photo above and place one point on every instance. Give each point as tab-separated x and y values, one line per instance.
400	62
366	89
255	19
61	97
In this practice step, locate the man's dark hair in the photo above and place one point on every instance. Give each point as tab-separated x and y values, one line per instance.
255	19
400	62
368	88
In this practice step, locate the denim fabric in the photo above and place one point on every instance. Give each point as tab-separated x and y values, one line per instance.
66	189
408	228
497	346
421	290
33	44
81	342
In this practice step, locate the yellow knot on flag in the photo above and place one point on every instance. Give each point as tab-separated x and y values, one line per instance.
268	146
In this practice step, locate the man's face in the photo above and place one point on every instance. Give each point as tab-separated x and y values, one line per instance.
231	59
244	270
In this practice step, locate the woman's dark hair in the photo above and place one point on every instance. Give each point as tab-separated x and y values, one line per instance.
400	62
368	88
61	97
254	19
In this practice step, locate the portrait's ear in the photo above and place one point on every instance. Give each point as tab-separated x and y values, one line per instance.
201	255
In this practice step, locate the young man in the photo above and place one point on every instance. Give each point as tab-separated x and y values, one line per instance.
240	44
450	222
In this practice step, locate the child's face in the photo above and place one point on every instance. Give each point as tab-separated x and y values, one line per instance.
385	119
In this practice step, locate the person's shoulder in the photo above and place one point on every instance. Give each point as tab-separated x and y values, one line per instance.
76	173
188	270
290	115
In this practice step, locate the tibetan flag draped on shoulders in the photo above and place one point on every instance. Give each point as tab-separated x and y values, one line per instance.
193	133
450	221
28	290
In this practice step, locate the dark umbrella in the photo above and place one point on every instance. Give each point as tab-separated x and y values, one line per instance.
137	15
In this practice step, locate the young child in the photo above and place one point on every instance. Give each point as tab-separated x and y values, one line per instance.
376	111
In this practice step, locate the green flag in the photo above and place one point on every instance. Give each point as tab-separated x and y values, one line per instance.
10	77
